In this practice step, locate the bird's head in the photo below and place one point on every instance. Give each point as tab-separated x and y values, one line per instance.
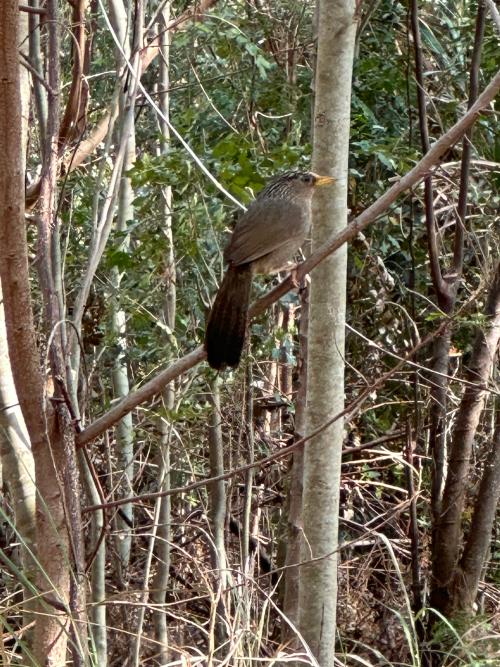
292	184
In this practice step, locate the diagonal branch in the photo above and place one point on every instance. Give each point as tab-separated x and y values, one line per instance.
430	160
73	120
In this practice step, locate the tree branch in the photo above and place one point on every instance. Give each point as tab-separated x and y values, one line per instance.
73	120
440	286
458	245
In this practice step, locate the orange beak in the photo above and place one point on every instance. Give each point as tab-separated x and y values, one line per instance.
323	180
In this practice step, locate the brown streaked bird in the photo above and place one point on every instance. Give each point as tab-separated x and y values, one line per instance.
265	239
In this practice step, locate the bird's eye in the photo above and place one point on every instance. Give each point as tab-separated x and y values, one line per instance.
307	178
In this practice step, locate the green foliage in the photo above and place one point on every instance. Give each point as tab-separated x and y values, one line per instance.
241	94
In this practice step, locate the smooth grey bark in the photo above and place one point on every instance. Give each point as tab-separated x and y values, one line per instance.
325	379
97	612
295	492
247	503
124	431
217	508
40	93
217	491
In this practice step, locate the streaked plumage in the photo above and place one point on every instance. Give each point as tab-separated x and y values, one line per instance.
264	239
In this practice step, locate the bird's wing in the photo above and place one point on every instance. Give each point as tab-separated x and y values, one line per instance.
263	229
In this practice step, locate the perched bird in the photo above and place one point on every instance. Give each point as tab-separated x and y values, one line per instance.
264	240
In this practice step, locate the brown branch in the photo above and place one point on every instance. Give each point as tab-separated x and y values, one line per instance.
440	286
389	437
143	394
458	244
34	72
32	10
437	151
73	121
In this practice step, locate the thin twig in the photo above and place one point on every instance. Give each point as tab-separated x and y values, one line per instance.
437	278
458	243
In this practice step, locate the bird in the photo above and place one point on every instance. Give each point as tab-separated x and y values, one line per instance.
264	240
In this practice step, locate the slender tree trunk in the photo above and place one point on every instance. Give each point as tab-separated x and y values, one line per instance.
468	573
325	379
294	514
52	537
163	536
217	510
121	19
62	453
40	93
17	465
97	613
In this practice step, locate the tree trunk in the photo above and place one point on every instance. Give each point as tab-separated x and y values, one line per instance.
448	529
295	491
163	536
325	381
17	465
52	537
468	573
18	469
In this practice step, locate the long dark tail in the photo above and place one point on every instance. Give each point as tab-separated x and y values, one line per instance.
227	323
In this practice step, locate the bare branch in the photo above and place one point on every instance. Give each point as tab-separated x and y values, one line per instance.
73	120
458	247
440	286
32	10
